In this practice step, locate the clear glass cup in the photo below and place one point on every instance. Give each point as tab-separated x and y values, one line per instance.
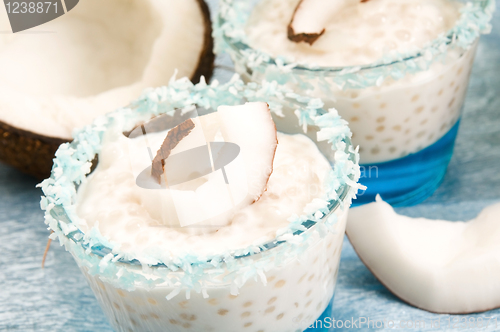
284	286
404	113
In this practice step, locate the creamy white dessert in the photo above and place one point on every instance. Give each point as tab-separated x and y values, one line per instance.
137	221
111	201
399	115
281	271
356	33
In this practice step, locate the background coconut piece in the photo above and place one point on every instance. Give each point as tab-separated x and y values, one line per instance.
435	265
31	152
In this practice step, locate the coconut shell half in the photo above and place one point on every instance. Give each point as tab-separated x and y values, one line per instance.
32	152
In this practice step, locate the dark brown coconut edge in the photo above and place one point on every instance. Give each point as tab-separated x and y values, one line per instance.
309	38
406	301
32	153
29	152
207	57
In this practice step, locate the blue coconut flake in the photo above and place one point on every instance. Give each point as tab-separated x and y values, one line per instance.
230	37
190	272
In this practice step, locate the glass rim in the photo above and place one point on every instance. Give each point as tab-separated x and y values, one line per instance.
449	38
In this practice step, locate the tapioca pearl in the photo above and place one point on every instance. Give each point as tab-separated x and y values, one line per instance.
121	293
392	149
129	308
272	300
421	133
269	310
452	101
380	129
247	304
375	150
213	301
280	283
419	109
183	304
415	98
440	92
354	119
246	314
187	317
380	119
222	312
396	128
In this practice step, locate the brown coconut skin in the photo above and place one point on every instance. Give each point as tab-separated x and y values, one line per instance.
28	152
32	153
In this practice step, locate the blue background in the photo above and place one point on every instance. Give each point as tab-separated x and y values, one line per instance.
59	299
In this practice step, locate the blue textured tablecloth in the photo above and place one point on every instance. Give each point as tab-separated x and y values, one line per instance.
59	299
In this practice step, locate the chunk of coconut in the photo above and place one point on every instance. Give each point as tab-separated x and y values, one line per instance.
214	192
311	17
94	59
436	265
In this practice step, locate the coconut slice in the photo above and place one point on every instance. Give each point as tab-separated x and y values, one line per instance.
173	138
311	17
92	60
436	265
209	167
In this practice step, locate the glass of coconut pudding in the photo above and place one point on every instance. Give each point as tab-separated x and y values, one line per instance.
207	208
396	70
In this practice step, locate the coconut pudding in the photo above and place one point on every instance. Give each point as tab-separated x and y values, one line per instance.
251	241
396	70
95	58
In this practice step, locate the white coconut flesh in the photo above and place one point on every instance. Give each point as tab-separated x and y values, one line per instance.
311	17
436	265
94	59
210	200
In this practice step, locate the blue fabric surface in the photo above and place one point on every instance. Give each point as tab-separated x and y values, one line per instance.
59	299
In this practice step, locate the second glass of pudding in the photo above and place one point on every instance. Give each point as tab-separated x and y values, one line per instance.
269	265
396	70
